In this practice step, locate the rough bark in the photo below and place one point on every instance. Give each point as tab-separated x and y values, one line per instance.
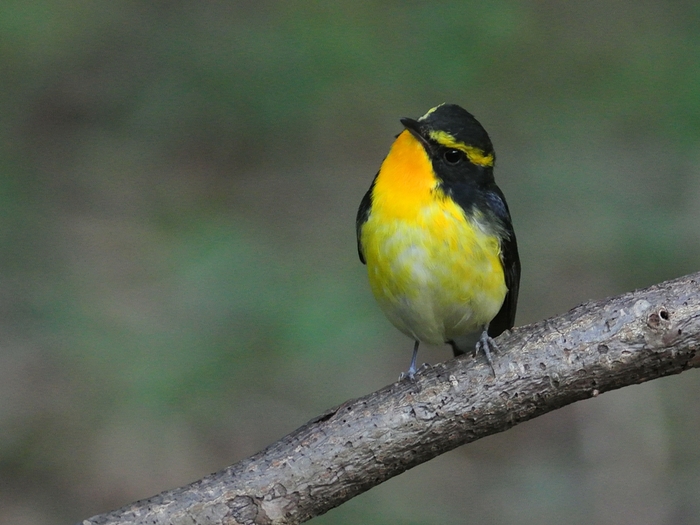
596	347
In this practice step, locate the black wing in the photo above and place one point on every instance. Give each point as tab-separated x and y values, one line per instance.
362	216
505	318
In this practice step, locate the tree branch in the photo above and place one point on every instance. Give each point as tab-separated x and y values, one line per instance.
596	347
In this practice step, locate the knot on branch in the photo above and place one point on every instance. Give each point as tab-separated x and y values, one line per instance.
246	510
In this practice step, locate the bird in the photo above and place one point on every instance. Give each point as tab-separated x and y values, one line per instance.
436	235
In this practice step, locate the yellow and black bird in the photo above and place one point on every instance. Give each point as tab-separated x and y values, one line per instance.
436	235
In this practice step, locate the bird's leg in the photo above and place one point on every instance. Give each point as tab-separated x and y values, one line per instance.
486	344
411	369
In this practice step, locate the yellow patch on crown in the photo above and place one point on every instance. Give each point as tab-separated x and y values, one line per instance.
475	155
430	111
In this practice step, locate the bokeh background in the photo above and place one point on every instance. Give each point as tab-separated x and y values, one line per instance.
179	282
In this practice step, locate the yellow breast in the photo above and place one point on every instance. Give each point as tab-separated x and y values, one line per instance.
436	274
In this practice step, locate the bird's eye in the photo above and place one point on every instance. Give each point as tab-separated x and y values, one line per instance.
453	156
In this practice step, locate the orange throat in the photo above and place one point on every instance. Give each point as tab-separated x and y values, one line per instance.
405	180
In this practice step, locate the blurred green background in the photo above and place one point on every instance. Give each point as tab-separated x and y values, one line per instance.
179	282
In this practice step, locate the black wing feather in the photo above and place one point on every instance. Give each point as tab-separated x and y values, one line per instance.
362	216
505	318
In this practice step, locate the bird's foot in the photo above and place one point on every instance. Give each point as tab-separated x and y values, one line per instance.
487	345
410	375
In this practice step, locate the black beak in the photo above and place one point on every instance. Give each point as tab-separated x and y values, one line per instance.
410	123
414	127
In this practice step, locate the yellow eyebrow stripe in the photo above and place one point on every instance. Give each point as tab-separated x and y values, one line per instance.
475	155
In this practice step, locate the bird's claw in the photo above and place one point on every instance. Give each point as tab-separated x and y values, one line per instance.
487	345
410	375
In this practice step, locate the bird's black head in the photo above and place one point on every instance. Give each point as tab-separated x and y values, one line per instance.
459	124
457	144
